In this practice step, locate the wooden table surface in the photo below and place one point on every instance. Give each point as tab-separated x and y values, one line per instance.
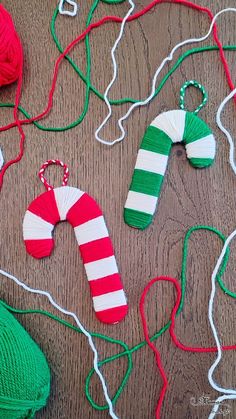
188	197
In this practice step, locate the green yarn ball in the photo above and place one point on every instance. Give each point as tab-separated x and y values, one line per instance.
24	372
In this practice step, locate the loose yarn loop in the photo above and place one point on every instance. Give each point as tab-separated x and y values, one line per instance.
71	13
158	70
44	167
85	216
10	49
80	327
64	54
165	130
183	92
25	375
87	78
228	394
127	352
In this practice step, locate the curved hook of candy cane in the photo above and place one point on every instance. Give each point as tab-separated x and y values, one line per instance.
225	131
211	371
85	216
62	11
153	89
79	324
165	130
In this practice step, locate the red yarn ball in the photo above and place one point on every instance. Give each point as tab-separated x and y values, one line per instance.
10	49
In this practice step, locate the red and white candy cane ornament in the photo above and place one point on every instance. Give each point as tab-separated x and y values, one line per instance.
83	213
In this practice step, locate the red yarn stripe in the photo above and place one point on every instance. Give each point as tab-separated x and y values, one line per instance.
97	249
45	206
85	209
112	315
18	122
104	285
39	248
172	334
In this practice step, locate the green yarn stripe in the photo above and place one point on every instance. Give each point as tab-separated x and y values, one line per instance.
156	140
147	179
146	182
195	128
153	156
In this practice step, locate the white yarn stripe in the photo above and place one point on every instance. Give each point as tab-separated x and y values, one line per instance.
141	202
110	300
171	123
66	197
79	324
228	393
101	268
91	230
35	228
71	13
204	148
151	161
153	89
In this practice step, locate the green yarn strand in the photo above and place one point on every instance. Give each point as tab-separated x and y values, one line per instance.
99	95
129	351
146	182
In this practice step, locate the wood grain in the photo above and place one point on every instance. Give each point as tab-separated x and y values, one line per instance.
189	197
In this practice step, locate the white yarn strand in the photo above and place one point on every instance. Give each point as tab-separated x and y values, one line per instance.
211	371
224	130
71	13
115	72
153	89
228	393
84	331
1	159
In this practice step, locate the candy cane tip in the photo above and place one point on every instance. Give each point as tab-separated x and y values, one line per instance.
113	315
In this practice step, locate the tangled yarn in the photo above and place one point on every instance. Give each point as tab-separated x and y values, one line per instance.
10	49
25	375
84	35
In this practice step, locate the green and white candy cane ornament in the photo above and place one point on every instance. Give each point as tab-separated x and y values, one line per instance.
165	130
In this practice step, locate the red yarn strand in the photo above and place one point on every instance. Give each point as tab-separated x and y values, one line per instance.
172	334
92	26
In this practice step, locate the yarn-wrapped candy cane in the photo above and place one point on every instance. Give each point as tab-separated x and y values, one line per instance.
85	216
165	130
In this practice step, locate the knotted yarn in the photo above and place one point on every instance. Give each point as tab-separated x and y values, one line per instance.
10	49
25	375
